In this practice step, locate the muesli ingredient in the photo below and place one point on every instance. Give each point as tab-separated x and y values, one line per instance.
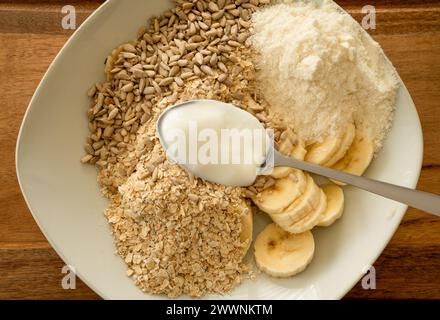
335	205
281	254
177	234
318	68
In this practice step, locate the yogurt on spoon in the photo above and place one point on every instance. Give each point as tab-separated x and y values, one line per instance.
216	141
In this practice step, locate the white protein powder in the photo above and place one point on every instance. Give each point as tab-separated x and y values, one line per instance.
318	68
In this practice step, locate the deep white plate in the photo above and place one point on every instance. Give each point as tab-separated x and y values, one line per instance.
64	199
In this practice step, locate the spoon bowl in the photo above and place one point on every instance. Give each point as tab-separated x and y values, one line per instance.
216	141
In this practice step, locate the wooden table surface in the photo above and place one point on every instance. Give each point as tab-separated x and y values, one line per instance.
31	36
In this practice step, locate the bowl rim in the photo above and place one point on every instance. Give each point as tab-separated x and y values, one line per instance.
98	11
400	210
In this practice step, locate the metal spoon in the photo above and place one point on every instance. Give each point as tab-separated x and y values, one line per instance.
425	201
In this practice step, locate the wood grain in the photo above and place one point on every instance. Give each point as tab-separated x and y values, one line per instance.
30	37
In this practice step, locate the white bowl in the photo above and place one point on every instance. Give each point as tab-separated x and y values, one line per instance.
64	199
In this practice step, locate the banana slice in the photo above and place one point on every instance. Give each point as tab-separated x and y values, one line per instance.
280	172
300	151
246	228
285	191
335	205
297	151
320	153
346	142
281	254
311	220
302	207
357	158
286	147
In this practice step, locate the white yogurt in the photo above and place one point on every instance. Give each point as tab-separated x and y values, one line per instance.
216	141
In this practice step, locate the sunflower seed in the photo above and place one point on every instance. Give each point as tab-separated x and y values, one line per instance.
242	37
212	6
112	114
207	70
129	48
149	90
86	158
100	100
174	71
234	12
233	43
198	58
141	84
178	81
222	67
218	15
197	70
97	145
187	5
203	26
244	24
166	82
186	75
150	73
91	91
222	77
206	16
145	118
249	194
182	62
156	87
269	183
128	55
108	131
128	87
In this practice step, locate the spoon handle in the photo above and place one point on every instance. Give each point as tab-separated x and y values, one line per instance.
425	201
